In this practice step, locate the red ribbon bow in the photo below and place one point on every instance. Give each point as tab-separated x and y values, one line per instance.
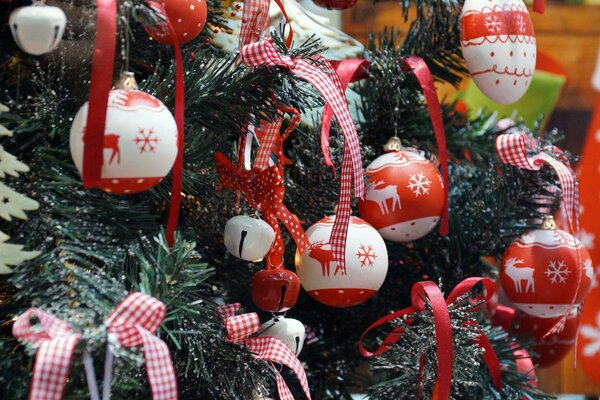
264	190
265	348
328	84
443	330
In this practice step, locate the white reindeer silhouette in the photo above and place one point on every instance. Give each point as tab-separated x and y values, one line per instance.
589	269
519	274
380	196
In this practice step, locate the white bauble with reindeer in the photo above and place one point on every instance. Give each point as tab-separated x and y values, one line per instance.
140	141
366	264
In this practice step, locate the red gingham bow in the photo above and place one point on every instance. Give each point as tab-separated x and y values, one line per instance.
326	81
255	20
56	343
134	322
264	348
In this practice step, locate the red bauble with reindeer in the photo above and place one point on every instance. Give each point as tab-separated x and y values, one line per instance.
187	17
140	141
405	197
543	270
499	46
366	264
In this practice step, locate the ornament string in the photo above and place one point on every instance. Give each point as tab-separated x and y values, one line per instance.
100	84
328	84
421	71
265	348
443	330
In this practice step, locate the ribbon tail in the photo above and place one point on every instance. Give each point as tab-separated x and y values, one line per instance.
161	374
325	127
539	6
51	370
282	388
292	224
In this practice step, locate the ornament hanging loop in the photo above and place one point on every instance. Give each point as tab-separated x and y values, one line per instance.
548	222
127	81
394	144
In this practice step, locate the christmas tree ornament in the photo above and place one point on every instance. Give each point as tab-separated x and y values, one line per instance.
12	254
366	264
498	43
290	331
405	199
38	28
9	165
14	204
335	4
140	140
543	270
248	238
187	17
275	289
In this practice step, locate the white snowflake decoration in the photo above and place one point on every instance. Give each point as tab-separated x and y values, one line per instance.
557	271
418	184
492	23
521	23
587	239
593	333
366	255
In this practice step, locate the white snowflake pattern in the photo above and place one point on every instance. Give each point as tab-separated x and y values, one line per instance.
366	255
492	23
591	332
521	23
587	239
595	282
418	184
557	271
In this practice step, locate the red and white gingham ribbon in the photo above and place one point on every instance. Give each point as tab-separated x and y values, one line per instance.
56	342
265	348
326	81
134	322
255	21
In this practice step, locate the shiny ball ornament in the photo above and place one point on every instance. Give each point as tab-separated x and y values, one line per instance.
290	331
405	197
140	141
540	271
275	289
37	29
187	17
366	264
499	46
248	238
335	4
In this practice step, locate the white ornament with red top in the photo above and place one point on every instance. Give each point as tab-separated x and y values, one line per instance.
366	264
140	141
499	46
405	197
544	270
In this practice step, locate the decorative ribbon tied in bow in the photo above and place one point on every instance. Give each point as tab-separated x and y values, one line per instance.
443	329
134	322
265	348
324	79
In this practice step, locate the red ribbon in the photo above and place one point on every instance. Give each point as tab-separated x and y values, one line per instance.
255	20
100	84
539	6
266	348
443	330
421	72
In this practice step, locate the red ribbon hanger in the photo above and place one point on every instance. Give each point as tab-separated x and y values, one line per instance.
539	6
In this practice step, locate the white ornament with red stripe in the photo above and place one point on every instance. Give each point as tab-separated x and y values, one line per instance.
38	28
499	46
140	140
248	238
405	196
543	270
290	331
366	264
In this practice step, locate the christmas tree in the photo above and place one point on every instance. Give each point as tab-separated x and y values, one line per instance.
100	242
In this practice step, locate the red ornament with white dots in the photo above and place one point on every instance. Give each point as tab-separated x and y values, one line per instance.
543	270
187	17
405	196
366	264
499	46
140	141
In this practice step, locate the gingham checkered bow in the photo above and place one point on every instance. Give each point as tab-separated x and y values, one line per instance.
326	81
264	348
255	20
134	322
56	342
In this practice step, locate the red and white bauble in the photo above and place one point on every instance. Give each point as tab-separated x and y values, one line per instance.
405	196
37	29
140	141
541	272
187	17
366	264
499	46
248	238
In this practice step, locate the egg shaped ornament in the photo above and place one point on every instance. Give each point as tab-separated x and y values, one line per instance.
290	331
140	141
275	289
498	43
335	4
366	264
541	272
187	17
248	238
37	29
404	199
